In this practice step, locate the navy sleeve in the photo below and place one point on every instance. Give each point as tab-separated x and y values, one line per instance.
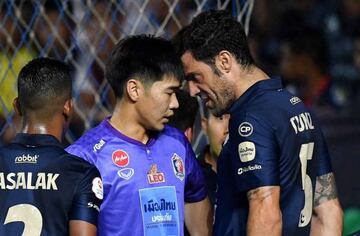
88	197
195	187
254	154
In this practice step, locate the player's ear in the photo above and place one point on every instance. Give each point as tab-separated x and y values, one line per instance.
68	109
223	61
16	105
133	89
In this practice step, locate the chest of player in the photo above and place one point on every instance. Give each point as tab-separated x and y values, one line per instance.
125	169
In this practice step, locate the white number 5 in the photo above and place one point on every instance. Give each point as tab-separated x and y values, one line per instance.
29	215
306	153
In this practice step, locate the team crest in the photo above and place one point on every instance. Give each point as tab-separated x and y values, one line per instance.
120	158
178	166
154	176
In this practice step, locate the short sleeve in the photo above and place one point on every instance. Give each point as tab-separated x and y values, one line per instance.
195	186
88	197
77	150
254	153
324	166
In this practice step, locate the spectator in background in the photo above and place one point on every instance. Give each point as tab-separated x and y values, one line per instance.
184	117
13	56
54	30
216	130
304	67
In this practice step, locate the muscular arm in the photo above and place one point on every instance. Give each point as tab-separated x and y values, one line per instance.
327	215
264	211
82	228
199	218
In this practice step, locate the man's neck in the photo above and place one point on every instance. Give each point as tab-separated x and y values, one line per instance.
125	122
52	127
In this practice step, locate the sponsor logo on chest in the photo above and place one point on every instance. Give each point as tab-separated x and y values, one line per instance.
245	129
154	176
120	158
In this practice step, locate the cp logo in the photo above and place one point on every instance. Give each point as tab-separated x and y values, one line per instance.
245	129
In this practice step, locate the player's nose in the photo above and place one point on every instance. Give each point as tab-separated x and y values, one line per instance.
193	88
174	104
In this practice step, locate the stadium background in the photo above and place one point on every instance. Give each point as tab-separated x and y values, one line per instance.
82	33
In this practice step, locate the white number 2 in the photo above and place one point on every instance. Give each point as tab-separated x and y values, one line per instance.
306	153
29	215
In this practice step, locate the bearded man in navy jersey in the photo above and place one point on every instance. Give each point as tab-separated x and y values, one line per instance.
274	171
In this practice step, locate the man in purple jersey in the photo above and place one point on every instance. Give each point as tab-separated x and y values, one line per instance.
148	168
274	171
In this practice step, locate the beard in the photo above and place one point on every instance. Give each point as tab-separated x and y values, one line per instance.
225	97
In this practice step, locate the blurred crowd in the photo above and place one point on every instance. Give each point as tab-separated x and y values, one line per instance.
313	44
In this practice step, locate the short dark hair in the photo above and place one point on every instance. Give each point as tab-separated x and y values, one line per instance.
144	57
209	33
184	117
44	84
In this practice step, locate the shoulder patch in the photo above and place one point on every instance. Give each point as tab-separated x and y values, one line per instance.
245	129
97	188
247	151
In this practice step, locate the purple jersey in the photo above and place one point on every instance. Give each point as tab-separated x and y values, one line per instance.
145	185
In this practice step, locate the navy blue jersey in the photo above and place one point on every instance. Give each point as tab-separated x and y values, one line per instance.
42	187
274	140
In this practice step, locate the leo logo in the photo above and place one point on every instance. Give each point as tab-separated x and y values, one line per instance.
120	158
154	176
245	129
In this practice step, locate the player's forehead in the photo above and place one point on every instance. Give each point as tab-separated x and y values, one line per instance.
168	81
193	66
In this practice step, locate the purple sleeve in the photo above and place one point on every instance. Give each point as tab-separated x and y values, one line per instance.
195	188
77	150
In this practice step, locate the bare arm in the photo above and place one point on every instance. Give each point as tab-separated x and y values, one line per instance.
82	228
264	213
199	218
327	215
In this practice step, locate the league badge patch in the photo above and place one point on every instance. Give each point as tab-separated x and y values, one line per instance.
178	166
154	176
120	158
97	188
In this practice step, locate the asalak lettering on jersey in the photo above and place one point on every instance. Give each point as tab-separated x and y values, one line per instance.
22	180
146	181
273	141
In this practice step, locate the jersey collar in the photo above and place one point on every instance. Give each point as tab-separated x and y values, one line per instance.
36	140
273	83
